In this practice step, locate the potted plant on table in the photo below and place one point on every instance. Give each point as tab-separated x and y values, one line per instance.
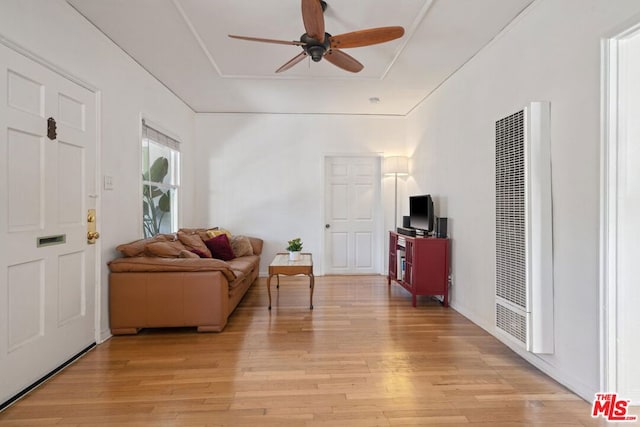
294	248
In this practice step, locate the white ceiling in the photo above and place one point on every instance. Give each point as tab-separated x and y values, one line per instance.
184	44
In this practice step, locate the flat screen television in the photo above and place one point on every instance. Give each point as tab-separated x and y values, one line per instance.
421	215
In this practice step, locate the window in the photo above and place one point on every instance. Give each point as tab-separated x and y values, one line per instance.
160	182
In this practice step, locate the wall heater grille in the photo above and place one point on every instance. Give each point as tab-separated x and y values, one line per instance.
511	281
524	276
512	322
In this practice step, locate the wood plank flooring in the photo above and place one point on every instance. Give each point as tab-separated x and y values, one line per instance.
362	357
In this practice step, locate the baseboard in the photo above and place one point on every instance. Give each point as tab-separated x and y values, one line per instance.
575	385
105	334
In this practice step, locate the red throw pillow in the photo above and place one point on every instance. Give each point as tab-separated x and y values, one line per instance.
220	247
199	253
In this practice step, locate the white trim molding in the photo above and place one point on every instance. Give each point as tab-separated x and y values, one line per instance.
612	121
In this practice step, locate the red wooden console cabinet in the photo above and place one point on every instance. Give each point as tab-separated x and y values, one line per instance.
420	265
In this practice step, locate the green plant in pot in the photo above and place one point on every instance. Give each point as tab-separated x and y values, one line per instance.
294	248
156	202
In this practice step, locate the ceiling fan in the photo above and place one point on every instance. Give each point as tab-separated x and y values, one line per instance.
318	44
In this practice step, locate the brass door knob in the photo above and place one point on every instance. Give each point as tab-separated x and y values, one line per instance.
92	235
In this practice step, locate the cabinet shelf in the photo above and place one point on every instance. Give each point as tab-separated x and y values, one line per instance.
420	265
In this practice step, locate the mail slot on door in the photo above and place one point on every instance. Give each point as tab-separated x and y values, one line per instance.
52	240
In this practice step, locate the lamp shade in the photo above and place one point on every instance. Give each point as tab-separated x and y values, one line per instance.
396	165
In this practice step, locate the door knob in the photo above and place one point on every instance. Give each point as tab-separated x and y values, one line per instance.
92	234
327	226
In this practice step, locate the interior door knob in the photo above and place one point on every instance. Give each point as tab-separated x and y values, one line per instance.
327	226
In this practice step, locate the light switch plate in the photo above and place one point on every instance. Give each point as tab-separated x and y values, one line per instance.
108	182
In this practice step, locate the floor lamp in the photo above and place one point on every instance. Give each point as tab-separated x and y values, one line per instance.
396	166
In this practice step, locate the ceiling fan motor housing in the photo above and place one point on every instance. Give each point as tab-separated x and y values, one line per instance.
329	46
315	48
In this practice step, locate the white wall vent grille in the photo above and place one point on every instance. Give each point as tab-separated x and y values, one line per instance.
511	275
524	269
512	322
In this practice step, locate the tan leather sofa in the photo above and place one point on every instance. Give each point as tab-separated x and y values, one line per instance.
149	291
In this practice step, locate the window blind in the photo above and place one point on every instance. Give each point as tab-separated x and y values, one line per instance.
158	137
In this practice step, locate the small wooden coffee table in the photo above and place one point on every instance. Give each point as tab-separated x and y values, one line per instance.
282	265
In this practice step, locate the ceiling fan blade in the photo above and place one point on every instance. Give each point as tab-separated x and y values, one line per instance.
344	61
292	62
256	39
366	37
313	19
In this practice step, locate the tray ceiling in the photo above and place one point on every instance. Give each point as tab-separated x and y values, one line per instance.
184	44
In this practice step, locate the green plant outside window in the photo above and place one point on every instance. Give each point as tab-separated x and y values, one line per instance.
160	173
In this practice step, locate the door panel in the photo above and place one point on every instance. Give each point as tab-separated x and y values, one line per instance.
340	205
71	294
363	203
25	181
70	166
25	94
339	250
364	258
352	199
25	303
46	291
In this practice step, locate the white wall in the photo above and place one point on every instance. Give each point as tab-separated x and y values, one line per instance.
262	174
551	52
56	32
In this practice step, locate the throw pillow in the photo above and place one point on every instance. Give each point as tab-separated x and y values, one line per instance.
196	230
187	254
200	253
241	246
193	241
202	232
165	249
220	247
218	231
136	248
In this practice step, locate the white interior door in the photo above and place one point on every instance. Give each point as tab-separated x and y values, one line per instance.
352	200
47	268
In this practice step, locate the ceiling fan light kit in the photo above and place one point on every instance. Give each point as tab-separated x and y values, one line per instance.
318	44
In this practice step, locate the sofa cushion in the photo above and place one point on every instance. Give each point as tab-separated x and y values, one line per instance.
136	248
241	246
220	247
256	244
244	264
164	249
193	241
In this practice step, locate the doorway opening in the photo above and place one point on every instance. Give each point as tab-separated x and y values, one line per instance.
620	216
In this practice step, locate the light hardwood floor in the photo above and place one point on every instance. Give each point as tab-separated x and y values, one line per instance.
362	357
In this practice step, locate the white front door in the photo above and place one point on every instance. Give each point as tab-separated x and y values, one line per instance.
352	199
47	269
